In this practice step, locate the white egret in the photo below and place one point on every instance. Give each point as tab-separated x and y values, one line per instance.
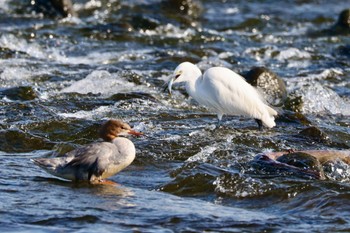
224	92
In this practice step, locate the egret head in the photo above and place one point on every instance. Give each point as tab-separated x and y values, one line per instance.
184	72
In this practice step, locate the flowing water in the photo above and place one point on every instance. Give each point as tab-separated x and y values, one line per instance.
62	77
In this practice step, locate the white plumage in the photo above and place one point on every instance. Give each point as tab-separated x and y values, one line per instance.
224	92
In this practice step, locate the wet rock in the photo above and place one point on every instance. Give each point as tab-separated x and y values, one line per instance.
315	134
343	50
141	22
270	167
6	53
132	95
293	117
304	161
342	26
23	93
294	103
272	86
182	10
54	8
19	141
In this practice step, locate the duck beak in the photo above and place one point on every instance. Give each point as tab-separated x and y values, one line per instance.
133	132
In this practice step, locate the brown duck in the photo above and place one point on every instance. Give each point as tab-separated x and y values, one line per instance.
97	161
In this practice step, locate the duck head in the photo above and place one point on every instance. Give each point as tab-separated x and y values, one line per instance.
114	128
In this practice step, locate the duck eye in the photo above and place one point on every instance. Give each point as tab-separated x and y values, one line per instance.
177	75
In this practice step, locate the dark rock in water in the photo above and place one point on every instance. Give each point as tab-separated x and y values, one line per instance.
344	20
188	7
304	161
141	22
132	95
19	141
184	11
315	134
6	53
19	93
272	86
54	8
294	103
293	117
341	27
270	167
344	50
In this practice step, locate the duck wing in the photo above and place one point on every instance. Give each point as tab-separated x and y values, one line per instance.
91	161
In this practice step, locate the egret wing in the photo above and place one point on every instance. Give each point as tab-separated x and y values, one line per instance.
228	93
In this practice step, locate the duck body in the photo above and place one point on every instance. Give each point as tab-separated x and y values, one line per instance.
224	92
94	162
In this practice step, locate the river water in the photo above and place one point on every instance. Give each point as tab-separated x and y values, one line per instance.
62	77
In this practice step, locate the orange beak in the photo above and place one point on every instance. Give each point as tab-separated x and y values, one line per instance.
133	132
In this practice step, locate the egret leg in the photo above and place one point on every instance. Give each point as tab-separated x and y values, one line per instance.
260	124
219	120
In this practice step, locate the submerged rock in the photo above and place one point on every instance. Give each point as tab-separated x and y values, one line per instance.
294	103
342	26
263	163
343	50
272	86
317	164
54	8
314	133
19	93
304	161
185	11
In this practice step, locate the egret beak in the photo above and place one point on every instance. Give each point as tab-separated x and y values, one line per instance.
133	132
170	84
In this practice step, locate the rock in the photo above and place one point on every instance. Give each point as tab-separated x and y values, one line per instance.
263	163
23	93
344	20
294	103
343	50
54	8
315	134
184	11
272	86
304	161
341	27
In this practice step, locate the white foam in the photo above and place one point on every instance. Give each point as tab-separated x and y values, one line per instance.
95	114
4	5
203	154
169	31
294	53
318	98
11	42
14	76
100	82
